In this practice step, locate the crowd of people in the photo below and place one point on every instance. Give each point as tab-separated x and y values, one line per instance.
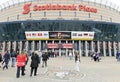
20	60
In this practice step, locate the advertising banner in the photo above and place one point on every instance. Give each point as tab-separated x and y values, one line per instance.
59	35
37	35
82	35
52	45
67	45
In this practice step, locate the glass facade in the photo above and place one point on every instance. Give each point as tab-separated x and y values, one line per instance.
15	31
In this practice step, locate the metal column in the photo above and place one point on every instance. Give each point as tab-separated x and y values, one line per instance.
98	46
119	46
33	46
73	48
80	51
59	48
92	46
39	45
20	46
14	45
53	48
66	49
46	48
26	47
9	46
109	47
3	49
114	48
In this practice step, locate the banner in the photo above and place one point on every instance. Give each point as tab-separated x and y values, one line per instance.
52	45
59	35
67	45
37	35
82	35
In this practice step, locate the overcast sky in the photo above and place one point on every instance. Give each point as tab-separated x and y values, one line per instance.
114	3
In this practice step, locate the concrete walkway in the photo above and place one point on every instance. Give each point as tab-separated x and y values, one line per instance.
107	70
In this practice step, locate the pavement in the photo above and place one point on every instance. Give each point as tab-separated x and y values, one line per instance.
61	69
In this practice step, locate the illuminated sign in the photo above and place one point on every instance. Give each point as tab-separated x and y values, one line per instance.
59	35
71	7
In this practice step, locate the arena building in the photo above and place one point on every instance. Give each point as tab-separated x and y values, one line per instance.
60	26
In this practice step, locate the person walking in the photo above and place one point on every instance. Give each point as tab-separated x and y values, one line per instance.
34	63
21	59
13	57
6	60
76	56
44	59
70	55
40	56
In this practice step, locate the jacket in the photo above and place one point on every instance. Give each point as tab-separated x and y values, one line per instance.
21	59
35	60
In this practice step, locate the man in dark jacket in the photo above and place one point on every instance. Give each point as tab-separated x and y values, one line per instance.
6	60
44	59
34	63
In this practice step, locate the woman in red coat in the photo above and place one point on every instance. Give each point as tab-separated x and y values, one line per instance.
21	59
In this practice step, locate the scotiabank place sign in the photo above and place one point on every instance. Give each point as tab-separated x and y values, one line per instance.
72	7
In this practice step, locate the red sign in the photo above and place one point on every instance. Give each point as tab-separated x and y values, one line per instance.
87	9
71	7
26	8
67	45
54	7
51	45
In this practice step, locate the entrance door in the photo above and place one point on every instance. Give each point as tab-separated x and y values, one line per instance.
63	52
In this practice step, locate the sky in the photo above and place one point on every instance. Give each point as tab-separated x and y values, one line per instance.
114	3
